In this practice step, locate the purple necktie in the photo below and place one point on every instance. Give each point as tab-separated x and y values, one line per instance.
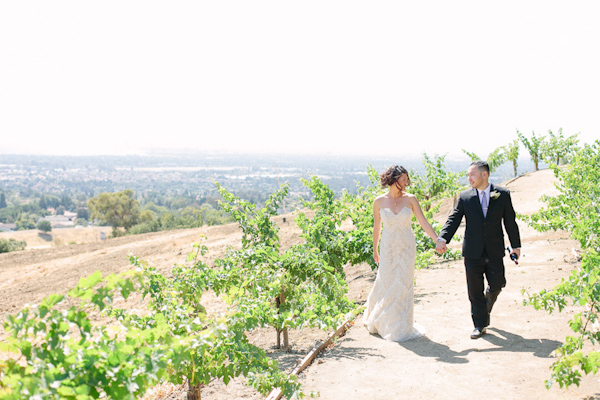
484	203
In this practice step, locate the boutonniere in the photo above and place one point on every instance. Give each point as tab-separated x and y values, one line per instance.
494	195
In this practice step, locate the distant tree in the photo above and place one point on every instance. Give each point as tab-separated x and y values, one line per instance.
83	213
116	209
495	159
81	198
26	192
179	203
25	221
43	204
533	146
146	216
558	148
60	210
81	222
67	202
192	216
511	152
156	209
168	222
44	226
2	201
52	201
212	216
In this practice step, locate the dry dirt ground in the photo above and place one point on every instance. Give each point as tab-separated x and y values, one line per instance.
510	362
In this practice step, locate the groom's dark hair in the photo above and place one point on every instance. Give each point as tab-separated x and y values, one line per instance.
482	165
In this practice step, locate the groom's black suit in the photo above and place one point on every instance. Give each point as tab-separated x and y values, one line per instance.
483	245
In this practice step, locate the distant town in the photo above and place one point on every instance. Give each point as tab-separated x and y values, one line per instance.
60	186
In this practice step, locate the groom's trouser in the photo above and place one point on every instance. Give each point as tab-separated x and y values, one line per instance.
475	269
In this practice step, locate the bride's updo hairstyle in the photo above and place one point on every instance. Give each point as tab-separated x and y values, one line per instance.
391	176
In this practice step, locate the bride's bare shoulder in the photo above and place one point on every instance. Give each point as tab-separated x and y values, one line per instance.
379	201
412	200
411	197
381	198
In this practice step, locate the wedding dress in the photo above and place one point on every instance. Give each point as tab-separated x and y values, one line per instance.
389	308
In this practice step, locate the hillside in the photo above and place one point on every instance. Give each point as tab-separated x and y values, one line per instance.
511	362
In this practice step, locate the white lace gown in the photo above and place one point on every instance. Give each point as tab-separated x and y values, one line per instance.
389	308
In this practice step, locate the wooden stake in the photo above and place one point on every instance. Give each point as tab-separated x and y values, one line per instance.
278	338
306	361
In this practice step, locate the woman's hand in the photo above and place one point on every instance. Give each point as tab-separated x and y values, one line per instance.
376	256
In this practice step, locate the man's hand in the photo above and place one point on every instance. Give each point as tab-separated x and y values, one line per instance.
517	252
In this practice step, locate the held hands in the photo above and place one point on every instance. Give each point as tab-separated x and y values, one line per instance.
440	247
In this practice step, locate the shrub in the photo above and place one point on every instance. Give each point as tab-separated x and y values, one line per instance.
11	245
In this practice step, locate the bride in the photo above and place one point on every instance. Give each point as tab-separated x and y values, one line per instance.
389	308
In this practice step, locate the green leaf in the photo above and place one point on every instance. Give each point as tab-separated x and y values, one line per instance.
90	281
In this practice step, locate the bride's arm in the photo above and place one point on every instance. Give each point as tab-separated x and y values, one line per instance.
422	220
376	230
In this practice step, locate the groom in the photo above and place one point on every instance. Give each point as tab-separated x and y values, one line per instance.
484	207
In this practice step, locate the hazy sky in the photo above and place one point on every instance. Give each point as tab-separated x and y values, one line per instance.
368	77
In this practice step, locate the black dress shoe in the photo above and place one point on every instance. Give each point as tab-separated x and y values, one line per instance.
477	333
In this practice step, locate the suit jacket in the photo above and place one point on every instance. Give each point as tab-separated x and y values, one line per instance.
483	233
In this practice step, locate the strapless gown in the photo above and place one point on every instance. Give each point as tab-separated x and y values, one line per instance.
389	307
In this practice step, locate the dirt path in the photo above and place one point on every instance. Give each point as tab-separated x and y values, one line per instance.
510	362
